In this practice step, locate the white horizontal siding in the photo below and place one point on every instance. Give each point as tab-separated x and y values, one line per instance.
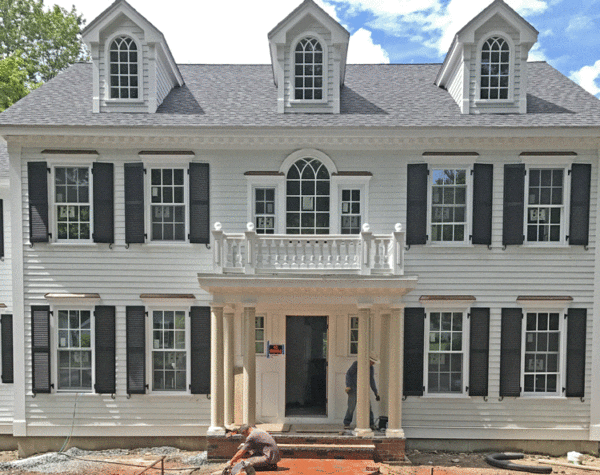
494	276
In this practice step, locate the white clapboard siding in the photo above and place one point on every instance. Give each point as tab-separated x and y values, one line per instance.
494	276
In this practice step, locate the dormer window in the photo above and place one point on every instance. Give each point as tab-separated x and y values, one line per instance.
308	70
495	58
123	69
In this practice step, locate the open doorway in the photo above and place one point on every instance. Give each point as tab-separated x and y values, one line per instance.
306	366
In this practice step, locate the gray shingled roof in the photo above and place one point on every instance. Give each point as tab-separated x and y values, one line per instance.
3	159
394	95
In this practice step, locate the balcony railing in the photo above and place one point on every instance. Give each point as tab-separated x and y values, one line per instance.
363	254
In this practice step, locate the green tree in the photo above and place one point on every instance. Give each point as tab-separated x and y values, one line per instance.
46	40
12	81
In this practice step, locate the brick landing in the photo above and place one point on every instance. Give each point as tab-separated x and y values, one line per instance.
318	446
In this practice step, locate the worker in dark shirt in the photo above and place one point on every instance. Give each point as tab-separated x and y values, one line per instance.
259	452
351	390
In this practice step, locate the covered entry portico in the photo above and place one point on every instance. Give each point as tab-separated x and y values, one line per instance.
239	296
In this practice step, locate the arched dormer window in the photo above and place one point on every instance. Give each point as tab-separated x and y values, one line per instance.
308	189
495	69
308	59
123	69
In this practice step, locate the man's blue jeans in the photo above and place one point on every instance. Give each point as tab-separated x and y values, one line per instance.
352	406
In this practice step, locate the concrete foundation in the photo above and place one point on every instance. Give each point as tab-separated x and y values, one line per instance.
545	447
8	442
29	446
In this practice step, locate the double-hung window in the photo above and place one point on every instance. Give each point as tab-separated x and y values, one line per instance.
449	205
351	212
169	350
264	210
446	336
74	349
168	204
72	203
545	205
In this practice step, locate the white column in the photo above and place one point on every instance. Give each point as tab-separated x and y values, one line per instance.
249	413
396	373
384	345
363	375
229	381
216	372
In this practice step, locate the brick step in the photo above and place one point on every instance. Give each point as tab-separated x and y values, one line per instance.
328	451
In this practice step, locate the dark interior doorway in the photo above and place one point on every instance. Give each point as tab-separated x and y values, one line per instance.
306	366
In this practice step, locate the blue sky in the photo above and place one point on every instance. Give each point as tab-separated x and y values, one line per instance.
396	31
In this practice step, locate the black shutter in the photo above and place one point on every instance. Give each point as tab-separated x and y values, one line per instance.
104	221
479	349
105	349
37	185
7	349
580	204
1	229
40	336
134	202
200	354
510	352
199	203
482	203
514	197
136	349
416	204
414	327
576	330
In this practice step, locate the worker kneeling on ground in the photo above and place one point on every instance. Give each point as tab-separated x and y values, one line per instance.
258	453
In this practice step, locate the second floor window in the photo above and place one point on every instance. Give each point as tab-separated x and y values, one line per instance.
308	186
495	68
308	60
545	202
264	210
448	205
168	204
351	213
123	69
72	203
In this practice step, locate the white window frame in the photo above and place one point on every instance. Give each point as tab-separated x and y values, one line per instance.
349	338
546	306
54	347
453	306
324	45
451	163
140	75
511	73
165	162
549	162
264	340
345	182
174	306
68	161
267	181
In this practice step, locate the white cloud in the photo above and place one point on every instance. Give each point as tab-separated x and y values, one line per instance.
537	54
362	50
588	78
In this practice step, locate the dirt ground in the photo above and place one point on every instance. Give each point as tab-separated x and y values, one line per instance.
134	462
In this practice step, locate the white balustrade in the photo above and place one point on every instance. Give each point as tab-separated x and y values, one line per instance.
365	253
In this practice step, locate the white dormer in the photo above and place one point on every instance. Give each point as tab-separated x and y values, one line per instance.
134	69
485	70
308	53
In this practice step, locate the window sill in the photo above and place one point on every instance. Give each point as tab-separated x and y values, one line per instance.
169	244
72	244
302	102
123	101
494	102
449	244
168	394
445	396
542	396
539	245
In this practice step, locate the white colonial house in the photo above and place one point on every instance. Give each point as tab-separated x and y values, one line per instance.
194	245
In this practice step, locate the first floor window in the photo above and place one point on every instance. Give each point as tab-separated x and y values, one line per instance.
353	335
542	353
545	198
74	350
264	210
351	213
449	205
169	350
445	355
168	204
72	203
259	332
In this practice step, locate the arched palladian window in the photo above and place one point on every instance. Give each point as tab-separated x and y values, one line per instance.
308	59
123	69
495	57
308	185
